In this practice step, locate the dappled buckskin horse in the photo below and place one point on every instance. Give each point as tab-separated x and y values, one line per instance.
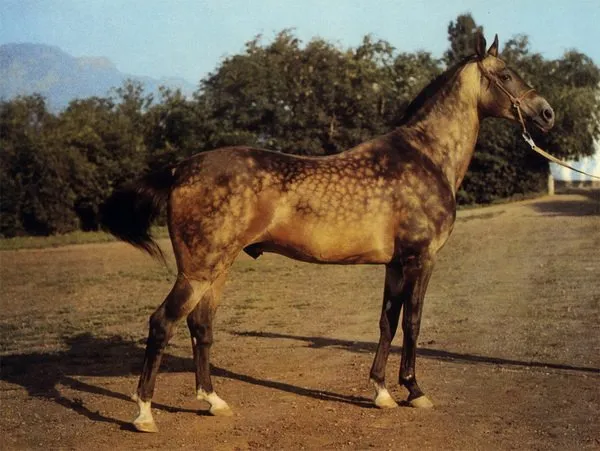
389	201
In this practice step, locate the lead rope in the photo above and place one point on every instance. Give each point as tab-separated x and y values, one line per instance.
516	102
529	140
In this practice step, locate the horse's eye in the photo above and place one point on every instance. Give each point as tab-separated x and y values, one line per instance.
505	77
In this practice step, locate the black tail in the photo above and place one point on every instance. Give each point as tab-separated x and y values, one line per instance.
129	212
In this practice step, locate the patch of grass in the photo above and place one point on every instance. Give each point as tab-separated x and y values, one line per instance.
39	242
154	274
78	237
488	215
247	269
247	304
505	200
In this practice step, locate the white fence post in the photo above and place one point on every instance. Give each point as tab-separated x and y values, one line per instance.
550	185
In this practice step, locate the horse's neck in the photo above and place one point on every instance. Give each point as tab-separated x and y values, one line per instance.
447	131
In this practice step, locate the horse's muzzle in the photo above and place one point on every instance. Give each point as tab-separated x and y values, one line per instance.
544	117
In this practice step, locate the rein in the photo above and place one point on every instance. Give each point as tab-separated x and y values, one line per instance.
516	103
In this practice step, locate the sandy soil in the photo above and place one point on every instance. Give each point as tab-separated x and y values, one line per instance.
509	345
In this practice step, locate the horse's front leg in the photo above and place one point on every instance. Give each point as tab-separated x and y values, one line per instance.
417	273
388	323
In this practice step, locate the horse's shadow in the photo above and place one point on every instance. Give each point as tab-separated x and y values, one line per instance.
427	353
42	374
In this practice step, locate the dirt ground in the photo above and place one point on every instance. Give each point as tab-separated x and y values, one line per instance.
509	346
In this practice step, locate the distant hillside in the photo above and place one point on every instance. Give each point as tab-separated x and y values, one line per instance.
60	77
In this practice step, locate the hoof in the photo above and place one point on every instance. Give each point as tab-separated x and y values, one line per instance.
384	400
221	411
386	403
422	402
145	426
144	421
218	407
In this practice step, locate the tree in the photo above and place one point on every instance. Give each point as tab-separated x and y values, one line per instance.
107	138
37	198
572	86
176	127
314	99
461	35
411	73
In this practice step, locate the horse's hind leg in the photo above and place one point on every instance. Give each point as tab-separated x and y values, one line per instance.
182	299
200	325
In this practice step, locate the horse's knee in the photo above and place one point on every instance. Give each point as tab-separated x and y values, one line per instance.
411	330
201	332
158	335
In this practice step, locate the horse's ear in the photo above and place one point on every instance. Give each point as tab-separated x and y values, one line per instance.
493	50
480	45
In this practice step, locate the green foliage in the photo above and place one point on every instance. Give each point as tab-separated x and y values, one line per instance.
572	85
36	196
174	127
314	99
461	35
107	139
503	166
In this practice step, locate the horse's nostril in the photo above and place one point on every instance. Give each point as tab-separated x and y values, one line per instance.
548	114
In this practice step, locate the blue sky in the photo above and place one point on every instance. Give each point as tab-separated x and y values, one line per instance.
188	38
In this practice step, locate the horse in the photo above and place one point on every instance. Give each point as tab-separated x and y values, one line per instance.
388	201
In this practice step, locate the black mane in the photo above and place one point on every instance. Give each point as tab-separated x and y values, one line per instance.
430	92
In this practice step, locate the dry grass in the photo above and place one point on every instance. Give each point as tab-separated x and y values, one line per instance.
77	237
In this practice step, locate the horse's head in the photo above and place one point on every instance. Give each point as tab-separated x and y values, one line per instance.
505	94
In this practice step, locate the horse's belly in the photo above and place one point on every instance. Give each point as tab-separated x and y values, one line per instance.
324	243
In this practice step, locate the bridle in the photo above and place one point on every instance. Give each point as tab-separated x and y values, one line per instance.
516	104
516	101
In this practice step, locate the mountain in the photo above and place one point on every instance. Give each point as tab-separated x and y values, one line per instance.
59	77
